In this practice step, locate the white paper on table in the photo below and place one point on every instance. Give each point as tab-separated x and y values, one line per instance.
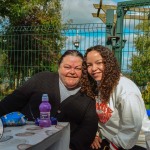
147	138
1	129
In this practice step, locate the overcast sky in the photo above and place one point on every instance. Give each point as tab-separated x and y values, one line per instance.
80	11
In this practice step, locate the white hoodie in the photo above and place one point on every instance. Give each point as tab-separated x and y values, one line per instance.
127	121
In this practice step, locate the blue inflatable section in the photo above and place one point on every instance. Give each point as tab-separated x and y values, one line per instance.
148	112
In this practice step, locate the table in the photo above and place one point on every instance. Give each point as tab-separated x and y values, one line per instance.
32	137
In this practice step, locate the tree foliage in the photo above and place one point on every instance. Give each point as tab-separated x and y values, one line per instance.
32	12
146	94
141	61
33	39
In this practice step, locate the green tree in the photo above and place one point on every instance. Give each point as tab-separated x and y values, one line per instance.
31	12
33	39
141	61
146	94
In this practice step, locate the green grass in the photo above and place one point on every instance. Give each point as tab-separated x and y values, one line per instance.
147	106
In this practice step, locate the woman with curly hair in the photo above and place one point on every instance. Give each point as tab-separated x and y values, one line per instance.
119	104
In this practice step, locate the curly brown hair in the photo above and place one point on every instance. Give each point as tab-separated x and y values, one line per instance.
110	76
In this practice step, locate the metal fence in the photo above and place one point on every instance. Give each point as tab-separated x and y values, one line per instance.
128	36
82	36
135	58
25	51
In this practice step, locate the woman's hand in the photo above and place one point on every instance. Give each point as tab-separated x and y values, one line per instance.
96	143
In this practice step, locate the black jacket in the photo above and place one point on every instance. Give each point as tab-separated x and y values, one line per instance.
77	109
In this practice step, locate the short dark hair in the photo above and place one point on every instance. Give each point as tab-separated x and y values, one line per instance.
72	53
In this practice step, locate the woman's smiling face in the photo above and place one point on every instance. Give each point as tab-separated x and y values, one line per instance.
95	65
70	71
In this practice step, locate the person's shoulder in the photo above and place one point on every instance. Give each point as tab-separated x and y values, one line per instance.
126	81
46	73
87	98
127	85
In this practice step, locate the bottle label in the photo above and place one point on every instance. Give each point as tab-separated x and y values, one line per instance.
44	115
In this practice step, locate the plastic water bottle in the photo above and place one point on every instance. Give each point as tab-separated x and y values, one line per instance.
45	109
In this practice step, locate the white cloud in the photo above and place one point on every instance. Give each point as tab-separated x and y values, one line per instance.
80	11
